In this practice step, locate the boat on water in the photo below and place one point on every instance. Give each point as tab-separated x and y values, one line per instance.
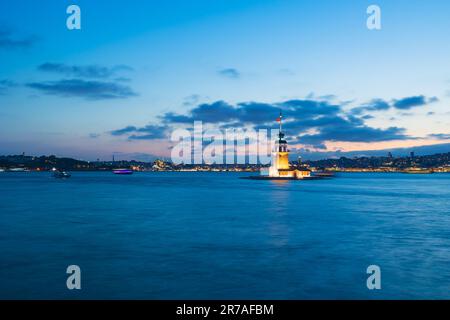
2	170
18	170
122	171
61	174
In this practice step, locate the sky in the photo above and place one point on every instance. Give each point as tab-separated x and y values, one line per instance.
137	70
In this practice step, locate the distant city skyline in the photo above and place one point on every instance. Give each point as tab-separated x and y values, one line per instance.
136	71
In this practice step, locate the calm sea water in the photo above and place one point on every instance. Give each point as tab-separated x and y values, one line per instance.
212	235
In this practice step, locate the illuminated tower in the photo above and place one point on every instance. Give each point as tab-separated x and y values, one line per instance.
280	168
282	150
280	155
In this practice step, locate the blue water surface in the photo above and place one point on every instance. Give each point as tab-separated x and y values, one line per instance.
192	235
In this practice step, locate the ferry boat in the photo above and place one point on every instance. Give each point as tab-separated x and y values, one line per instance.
61	174
18	170
122	171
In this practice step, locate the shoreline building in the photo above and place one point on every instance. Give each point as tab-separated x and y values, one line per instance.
280	166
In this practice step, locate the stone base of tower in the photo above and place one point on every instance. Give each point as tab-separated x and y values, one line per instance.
282	178
291	173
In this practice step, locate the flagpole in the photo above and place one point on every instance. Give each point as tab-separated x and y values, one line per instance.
281	117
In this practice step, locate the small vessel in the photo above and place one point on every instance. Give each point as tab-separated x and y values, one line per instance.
2	170
122	171
61	174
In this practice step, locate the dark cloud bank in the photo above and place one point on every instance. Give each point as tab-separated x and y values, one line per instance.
5	85
87	71
400	104
310	122
88	89
91	82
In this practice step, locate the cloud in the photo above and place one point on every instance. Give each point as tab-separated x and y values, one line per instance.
149	132
402	104
328	97
146	137
90	90
374	105
81	85
122	79
433	99
255	113
349	133
411	102
191	100
319	146
120	132
230	73
215	112
308	122
311	122
440	136
308	108
8	40
84	71
171	117
5	85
